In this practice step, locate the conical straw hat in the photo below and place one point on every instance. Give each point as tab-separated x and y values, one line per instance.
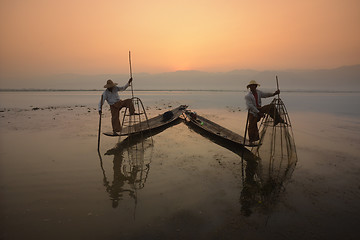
110	84
252	82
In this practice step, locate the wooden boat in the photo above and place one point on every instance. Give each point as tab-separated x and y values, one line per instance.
150	125
215	129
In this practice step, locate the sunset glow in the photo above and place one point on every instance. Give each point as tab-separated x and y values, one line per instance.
93	37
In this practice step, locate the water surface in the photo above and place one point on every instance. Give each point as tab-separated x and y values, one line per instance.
179	184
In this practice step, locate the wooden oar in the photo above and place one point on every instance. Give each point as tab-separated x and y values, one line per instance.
99	133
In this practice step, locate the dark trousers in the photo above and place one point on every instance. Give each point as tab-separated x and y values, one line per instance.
253	130
115	112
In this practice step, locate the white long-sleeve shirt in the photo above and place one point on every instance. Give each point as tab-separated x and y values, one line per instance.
112	97
251	103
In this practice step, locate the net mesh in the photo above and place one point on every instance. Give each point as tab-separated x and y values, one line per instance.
276	152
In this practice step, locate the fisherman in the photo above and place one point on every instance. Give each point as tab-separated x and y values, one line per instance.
112	97
256	111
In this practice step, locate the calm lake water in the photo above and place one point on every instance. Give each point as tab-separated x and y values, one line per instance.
177	184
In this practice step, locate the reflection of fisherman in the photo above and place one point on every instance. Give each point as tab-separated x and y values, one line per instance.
116	189
250	192
112	97
256	111
130	173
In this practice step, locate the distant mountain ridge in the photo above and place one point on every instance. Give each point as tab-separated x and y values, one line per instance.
346	78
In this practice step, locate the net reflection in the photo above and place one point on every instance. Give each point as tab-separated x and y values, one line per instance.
131	166
263	179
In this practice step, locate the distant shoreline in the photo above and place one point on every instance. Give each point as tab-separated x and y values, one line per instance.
175	90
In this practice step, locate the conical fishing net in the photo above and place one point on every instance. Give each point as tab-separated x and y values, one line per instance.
276	150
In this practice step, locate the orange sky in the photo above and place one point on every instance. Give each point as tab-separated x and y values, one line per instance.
94	37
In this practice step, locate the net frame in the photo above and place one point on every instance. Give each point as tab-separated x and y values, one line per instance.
276	152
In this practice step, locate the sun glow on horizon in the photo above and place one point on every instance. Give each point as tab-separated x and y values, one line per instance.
92	37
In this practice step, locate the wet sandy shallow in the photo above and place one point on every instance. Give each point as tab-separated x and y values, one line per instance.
55	185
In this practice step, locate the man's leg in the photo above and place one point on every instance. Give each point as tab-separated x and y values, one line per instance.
272	111
115	117
115	110
253	128
129	104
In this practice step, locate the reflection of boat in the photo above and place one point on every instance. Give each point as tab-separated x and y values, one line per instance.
152	123
214	129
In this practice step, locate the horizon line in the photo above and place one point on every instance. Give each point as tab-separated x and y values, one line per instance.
171	90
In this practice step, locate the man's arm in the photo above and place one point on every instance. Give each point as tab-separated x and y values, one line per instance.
123	88
267	94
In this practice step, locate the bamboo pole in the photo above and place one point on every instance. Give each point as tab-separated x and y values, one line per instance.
99	132
132	91
277	84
